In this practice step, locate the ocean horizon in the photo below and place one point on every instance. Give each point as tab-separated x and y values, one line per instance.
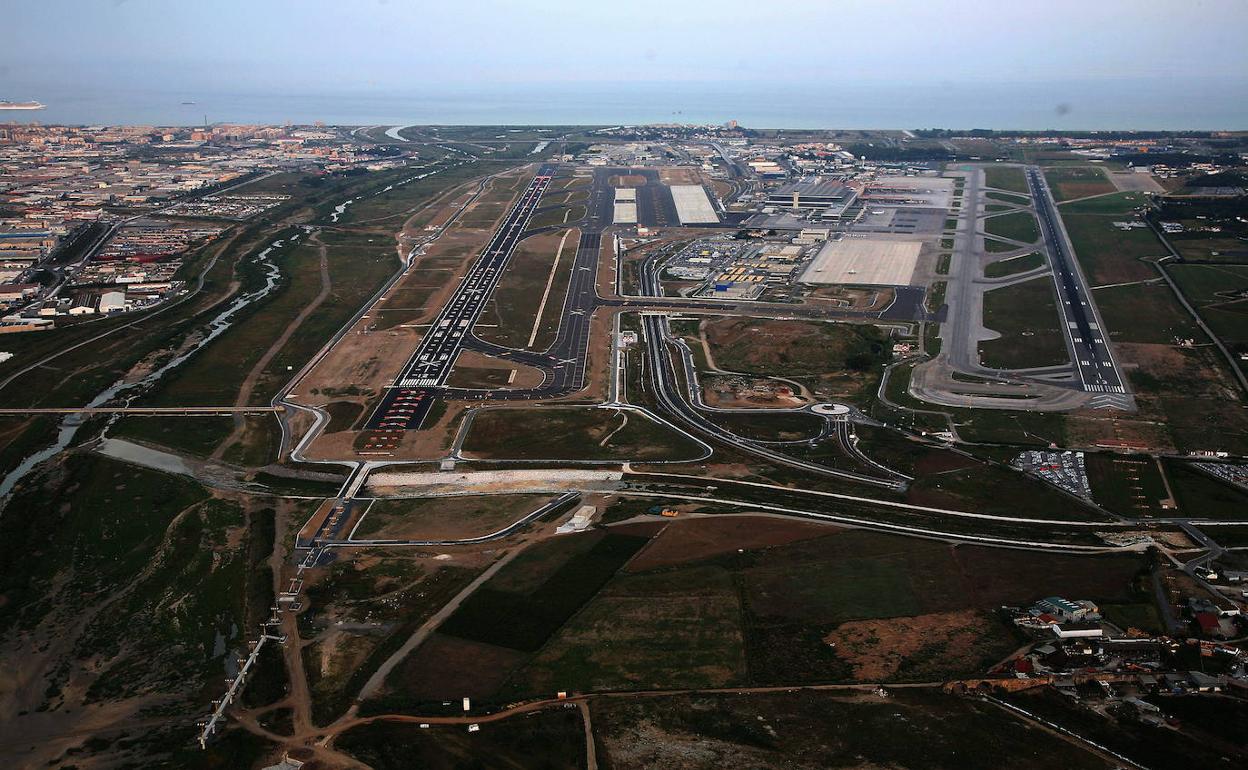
1074	106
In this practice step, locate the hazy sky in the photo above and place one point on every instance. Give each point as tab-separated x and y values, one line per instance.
382	45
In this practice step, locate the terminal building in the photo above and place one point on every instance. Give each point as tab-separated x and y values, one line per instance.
824	197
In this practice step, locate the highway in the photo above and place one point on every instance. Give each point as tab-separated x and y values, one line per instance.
677	405
1090	353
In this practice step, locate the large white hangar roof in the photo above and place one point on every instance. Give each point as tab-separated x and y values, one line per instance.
692	205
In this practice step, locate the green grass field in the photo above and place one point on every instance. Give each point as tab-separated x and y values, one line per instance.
1108	254
1146	313
1026	316
198	436
1019	226
1117	204
993	246
574	433
1202	496
1220	294
512	309
780	426
1014	265
1068	182
1018	200
840	360
1009	178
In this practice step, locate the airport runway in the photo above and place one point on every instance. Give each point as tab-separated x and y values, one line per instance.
1089	352
408	401
563	365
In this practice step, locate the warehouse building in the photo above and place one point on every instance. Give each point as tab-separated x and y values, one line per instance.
112	302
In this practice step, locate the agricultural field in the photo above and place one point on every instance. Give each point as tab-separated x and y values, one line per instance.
1070	182
810	728
1128	486
1025	315
736	601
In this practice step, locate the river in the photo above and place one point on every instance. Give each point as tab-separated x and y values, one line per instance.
216	327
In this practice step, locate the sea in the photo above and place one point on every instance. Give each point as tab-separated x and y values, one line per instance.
1121	104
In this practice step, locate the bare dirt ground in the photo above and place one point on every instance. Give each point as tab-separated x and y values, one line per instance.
685	540
471	370
731	392
679	175
1115	429
877	648
1129	181
399	483
627	180
865	300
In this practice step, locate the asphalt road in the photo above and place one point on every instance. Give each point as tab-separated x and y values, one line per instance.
677	404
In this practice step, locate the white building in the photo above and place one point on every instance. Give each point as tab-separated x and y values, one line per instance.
112	302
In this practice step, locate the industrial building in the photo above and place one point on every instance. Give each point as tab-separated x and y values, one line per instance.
821	196
112	302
